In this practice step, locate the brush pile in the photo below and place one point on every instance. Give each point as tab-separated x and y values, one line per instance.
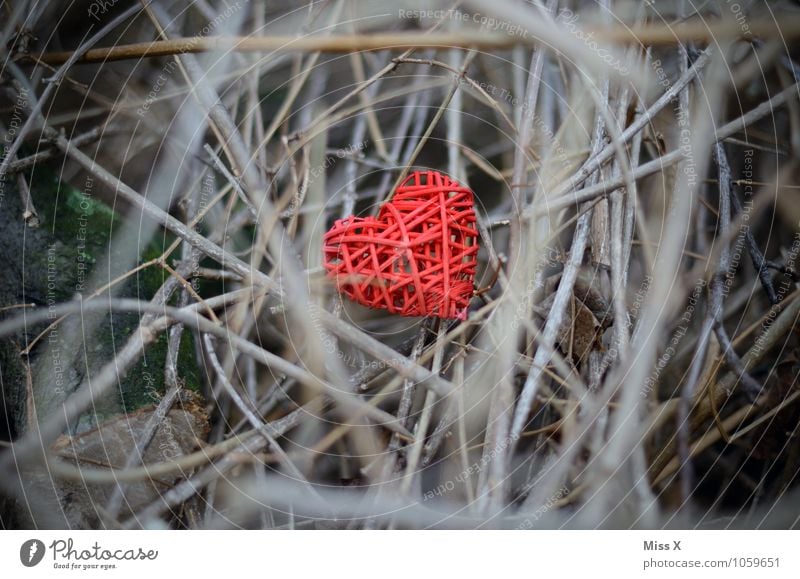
174	347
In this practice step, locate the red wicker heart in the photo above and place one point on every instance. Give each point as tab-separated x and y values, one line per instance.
417	258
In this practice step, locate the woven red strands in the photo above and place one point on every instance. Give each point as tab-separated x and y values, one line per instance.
417	257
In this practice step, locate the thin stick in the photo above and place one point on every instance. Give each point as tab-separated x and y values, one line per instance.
421	429
180	465
657	165
248	412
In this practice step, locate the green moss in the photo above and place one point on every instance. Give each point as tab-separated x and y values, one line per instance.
151	278
144	383
12	416
73	217
80	227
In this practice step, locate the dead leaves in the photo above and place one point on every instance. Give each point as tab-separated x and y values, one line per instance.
582	333
587	318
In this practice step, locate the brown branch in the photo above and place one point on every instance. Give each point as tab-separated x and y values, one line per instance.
652	34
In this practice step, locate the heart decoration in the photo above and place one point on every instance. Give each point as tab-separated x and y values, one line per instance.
417	257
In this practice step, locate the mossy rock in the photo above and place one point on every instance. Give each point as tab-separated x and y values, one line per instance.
51	264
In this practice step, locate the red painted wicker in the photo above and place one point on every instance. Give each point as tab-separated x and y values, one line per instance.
417	257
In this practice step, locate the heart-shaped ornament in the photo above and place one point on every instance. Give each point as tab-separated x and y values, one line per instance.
417	257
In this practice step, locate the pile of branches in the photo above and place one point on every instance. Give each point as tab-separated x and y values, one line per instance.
629	358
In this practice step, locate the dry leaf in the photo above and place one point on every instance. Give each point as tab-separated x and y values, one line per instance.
181	432
587	317
581	332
